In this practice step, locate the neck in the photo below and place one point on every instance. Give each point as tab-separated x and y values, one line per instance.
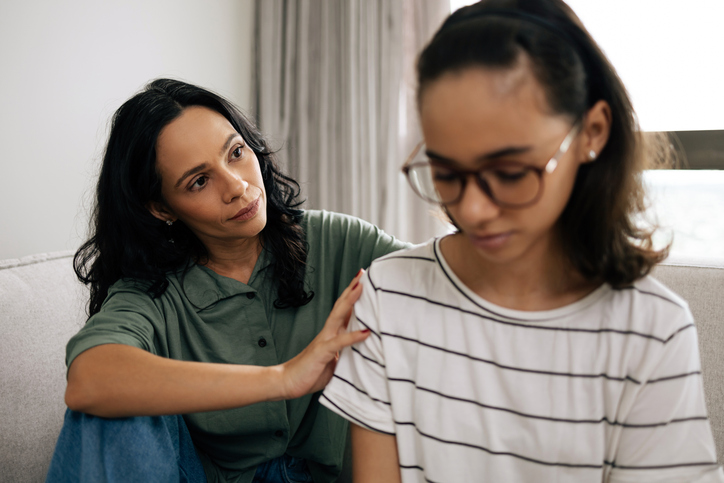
542	279
234	260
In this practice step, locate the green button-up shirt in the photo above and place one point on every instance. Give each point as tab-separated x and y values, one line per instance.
206	317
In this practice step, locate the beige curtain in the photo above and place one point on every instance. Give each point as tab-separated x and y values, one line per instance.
335	94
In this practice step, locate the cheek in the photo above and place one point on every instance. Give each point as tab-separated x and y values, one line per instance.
196	209
556	194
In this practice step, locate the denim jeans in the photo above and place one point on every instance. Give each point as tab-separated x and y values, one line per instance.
285	469
154	449
140	449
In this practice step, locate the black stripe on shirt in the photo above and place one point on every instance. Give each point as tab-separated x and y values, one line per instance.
373	332
393	257
360	390
529	326
677	376
420	468
511	368
673	421
497	453
354	349
678	332
358	421
604	419
664	467
653	294
605	463
442	267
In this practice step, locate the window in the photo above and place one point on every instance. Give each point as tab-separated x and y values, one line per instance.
667	54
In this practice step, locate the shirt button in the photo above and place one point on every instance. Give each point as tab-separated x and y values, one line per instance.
262	342
278	433
250	295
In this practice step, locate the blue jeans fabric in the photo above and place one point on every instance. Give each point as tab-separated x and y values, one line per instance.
154	449
140	449
285	469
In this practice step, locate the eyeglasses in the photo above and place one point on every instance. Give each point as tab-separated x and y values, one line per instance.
508	184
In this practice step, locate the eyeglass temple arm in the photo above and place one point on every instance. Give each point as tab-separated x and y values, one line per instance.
553	163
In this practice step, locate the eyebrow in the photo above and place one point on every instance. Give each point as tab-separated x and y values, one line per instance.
226	145
492	155
190	172
203	166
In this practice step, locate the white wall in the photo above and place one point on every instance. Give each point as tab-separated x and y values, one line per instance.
64	69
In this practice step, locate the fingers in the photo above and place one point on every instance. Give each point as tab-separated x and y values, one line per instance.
348	339
342	309
354	284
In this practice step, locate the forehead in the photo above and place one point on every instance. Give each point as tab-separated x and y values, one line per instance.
194	137
482	108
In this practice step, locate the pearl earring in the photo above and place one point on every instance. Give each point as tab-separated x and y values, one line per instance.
592	155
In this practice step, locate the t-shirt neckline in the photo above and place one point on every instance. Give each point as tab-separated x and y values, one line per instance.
522	315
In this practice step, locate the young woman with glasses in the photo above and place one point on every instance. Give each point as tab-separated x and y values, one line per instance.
530	344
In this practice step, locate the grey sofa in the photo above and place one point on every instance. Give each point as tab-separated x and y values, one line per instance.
42	305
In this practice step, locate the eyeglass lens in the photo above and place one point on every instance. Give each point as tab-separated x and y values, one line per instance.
506	183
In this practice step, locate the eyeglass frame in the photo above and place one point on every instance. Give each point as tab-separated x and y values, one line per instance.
463	175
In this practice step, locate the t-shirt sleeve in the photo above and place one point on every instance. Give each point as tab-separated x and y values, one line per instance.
127	317
358	390
667	436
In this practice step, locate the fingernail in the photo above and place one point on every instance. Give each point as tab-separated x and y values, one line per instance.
364	331
360	272
355	286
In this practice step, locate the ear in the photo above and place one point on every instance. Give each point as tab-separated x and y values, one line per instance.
595	131
160	211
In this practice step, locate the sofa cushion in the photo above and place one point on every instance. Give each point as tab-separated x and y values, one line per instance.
42	306
701	283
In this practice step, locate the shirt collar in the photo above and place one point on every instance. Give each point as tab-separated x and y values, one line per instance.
204	287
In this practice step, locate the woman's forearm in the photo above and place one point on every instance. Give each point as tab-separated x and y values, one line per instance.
115	380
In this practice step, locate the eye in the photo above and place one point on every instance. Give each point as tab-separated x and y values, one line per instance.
199	183
443	175
238	152
509	174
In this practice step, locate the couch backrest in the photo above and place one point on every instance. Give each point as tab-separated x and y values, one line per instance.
42	305
701	284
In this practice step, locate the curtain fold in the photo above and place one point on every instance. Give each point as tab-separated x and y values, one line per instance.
334	87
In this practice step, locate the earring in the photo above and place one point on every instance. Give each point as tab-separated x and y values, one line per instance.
170	223
592	155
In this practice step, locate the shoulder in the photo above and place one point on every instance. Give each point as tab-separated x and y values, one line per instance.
337	229
130	287
132	294
657	293
317	221
652	308
405	267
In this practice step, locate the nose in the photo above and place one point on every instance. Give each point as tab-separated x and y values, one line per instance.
234	185
475	206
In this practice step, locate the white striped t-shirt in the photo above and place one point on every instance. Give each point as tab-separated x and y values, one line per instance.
608	388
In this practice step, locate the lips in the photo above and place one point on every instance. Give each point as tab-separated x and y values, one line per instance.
248	211
490	242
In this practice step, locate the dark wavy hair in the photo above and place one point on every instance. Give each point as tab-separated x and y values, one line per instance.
127	241
598	226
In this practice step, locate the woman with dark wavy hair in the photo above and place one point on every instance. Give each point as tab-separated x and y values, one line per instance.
209	290
531	345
